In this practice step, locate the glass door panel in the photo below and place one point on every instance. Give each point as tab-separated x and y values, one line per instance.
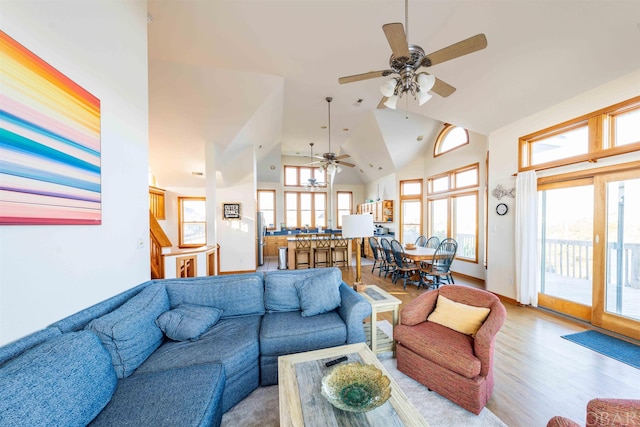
566	237
622	276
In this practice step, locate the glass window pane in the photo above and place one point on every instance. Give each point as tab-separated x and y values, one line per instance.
290	175
566	233
305	219
342	212
319	175
623	249
291	219
305	174
440	184
454	138
194	234
465	226
266	200
291	201
411	220
439	212
467	178
567	144
319	202
305	201
627	128
344	201
411	188
269	218
193	210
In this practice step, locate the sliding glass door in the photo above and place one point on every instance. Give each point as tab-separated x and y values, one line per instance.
590	249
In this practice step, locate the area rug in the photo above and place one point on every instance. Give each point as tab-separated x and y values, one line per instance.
260	408
612	347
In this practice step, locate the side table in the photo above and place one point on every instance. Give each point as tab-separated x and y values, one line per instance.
381	301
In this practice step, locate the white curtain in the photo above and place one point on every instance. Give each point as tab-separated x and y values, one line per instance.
527	238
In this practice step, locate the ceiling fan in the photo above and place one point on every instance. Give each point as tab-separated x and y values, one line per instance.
330	161
312	183
406	61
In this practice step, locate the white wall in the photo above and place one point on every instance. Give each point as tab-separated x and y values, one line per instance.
48	272
503	162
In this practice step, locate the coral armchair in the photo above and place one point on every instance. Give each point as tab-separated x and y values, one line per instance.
605	412
455	365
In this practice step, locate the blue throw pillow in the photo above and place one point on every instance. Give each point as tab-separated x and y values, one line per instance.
318	295
129	332
188	321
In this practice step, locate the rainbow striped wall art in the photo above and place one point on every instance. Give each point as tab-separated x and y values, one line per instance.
49	143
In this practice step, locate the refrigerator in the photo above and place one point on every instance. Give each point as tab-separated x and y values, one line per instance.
261	232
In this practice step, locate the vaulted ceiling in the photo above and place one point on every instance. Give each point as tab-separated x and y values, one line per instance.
239	73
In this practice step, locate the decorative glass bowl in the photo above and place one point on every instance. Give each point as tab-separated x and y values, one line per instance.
356	387
410	246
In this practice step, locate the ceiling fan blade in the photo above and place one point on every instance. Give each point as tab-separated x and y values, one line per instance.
364	76
443	89
342	156
340	162
456	50
397	39
381	103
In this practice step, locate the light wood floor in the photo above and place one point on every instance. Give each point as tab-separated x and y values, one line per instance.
537	373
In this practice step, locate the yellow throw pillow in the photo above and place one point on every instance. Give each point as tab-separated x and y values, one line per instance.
463	318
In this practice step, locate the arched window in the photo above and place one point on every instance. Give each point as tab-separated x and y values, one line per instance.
450	138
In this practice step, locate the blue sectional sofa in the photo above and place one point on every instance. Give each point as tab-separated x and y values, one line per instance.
175	351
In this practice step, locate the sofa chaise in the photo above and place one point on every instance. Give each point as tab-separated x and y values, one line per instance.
174	351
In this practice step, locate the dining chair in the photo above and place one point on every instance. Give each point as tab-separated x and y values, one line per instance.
432	242
389	260
303	251
421	241
440	265
404	269
339	250
378	257
323	247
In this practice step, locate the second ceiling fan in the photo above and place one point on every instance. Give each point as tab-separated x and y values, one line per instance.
406	61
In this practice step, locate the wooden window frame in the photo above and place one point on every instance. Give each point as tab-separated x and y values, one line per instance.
338	220
275	211
437	147
298	210
298	183
451	174
181	223
601	137
411	197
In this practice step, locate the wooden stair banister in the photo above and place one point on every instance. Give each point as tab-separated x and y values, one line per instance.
158	241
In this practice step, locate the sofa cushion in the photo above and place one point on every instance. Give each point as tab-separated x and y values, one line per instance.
232	342
280	293
190	396
130	333
285	333
234	294
463	318
318	294
188	321
13	349
65	381
450	349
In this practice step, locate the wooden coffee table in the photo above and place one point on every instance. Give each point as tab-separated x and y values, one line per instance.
302	404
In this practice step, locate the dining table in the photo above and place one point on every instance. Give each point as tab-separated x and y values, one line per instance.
419	253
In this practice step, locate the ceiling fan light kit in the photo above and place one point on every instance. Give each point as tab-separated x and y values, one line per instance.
406	59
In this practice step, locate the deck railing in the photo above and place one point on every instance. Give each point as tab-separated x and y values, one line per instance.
574	259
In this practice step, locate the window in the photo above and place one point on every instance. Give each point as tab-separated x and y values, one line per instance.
298	176
344	204
267	205
450	138
305	209
192	222
608	132
452	209
457	179
410	210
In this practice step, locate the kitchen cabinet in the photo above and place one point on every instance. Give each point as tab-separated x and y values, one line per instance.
382	210
273	243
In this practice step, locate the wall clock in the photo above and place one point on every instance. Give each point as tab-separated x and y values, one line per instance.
502	209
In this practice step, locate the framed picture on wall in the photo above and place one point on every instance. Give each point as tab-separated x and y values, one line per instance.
231	211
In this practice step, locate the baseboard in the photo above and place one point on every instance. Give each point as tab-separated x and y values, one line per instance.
223	273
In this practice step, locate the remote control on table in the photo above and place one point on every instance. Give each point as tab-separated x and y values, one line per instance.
336	361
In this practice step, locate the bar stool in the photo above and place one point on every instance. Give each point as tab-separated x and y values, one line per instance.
303	250
323	246
339	251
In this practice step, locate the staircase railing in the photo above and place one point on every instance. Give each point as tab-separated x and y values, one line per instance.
158	241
